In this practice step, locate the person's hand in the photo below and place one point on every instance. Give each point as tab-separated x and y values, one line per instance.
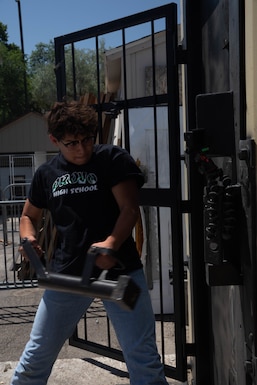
35	245
104	261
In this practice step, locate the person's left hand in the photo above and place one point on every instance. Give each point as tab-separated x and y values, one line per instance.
104	261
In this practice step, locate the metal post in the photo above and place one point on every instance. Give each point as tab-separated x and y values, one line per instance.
23	54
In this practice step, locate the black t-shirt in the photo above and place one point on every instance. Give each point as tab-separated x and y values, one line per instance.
82	205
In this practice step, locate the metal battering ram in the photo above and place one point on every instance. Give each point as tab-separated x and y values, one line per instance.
124	291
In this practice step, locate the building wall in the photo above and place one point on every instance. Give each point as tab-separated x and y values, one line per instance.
251	66
24	145
138	66
25	135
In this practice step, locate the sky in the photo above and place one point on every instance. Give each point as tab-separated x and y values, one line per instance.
43	20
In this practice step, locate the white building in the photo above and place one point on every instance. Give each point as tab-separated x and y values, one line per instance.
24	145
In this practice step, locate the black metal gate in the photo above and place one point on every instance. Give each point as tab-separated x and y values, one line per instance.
137	97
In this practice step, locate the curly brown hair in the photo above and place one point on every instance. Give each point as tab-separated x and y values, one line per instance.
74	118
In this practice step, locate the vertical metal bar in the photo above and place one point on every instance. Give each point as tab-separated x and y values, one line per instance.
73	71
108	331
5	230
100	122
126	113
153	58
23	55
237	57
176	193
161	283
98	71
5	238
60	70
85	327
201	293
157	186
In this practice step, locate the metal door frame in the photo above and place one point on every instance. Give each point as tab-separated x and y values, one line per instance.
156	197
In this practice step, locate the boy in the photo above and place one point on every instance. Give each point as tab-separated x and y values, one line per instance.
91	192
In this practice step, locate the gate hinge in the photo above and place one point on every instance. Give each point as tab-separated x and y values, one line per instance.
246	157
181	55
190	350
250	367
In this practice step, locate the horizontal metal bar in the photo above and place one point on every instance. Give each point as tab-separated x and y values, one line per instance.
94	347
161	198
12	203
115	25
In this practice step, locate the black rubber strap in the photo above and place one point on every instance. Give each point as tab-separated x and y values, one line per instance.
102	250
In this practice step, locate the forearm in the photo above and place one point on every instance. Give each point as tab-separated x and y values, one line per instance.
27	228
123	227
126	195
30	218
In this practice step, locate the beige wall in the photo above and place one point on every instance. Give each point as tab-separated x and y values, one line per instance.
251	67
26	135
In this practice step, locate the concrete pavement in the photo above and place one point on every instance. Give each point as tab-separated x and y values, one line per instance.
73	367
95	371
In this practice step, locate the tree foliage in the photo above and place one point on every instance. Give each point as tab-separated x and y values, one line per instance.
42	76
83	66
12	78
37	74
3	33
86	73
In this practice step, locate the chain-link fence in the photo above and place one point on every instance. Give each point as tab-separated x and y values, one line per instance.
17	171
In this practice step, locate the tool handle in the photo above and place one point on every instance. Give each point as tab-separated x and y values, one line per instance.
92	253
33	257
124	291
105	250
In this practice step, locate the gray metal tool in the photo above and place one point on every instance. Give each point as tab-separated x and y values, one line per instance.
124	291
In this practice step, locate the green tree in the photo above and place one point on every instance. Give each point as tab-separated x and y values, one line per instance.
41	56
3	33
85	71
12	77
42	75
36	75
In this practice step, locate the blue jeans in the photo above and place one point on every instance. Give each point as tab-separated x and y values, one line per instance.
57	316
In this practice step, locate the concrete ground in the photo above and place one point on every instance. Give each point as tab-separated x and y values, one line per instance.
73	367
